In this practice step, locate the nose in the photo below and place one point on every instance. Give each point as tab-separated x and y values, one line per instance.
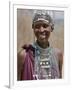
41	29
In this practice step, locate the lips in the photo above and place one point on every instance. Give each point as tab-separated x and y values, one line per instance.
42	35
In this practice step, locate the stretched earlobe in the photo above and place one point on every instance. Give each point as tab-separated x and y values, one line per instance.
52	27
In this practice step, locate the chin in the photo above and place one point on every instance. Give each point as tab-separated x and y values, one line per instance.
43	40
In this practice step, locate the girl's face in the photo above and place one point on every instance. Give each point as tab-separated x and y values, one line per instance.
42	31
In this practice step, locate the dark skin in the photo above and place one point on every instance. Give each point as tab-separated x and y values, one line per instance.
42	31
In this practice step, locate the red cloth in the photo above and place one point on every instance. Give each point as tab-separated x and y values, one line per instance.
28	66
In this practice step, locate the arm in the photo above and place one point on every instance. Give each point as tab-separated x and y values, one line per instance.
20	61
60	63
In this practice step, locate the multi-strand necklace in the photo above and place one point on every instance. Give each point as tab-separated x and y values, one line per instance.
42	62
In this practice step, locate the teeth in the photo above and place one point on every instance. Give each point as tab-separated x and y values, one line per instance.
43	34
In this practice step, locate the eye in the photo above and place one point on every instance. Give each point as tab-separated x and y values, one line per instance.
45	25
37	26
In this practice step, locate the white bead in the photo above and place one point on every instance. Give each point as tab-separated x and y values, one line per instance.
40	63
47	63
44	63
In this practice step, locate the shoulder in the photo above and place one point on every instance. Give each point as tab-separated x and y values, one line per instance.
22	52
58	52
60	56
21	55
25	49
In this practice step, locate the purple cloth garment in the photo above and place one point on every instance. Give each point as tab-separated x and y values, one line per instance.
28	66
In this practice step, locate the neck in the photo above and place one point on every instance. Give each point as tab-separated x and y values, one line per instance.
43	44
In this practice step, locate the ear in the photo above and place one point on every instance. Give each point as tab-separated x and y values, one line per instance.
52	27
33	26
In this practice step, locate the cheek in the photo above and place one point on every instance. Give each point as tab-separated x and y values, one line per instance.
36	32
49	28
48	34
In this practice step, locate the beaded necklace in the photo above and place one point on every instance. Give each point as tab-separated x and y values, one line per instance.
42	62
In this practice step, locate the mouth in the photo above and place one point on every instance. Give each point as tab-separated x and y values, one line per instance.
42	35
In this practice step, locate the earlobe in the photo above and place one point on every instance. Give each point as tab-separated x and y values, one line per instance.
32	26
52	27
51	30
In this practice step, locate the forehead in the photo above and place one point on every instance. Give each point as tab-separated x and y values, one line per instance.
41	22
